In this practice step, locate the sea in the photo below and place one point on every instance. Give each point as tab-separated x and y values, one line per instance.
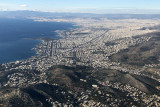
19	36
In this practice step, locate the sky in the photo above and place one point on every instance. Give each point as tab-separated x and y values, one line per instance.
83	6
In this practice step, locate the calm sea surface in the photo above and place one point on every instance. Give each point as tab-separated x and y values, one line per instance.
17	37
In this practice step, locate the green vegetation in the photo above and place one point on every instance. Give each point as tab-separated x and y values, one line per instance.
68	76
68	84
144	53
109	43
98	52
82	33
142	83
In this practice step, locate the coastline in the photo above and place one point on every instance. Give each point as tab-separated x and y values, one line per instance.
39	40
18	42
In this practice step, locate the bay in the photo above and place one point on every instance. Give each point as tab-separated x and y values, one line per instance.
18	37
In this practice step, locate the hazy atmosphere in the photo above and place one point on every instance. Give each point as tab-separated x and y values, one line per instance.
79	53
84	6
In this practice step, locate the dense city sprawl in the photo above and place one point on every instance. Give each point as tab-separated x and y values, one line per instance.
91	44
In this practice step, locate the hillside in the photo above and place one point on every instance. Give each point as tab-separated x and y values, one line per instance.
144	53
81	86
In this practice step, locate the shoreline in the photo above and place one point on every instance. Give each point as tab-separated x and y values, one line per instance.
39	40
18	41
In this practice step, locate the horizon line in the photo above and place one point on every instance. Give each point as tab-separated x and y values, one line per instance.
74	12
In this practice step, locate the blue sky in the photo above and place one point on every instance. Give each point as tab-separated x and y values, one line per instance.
91	6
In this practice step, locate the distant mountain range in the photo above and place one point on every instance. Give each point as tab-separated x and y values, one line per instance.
28	14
